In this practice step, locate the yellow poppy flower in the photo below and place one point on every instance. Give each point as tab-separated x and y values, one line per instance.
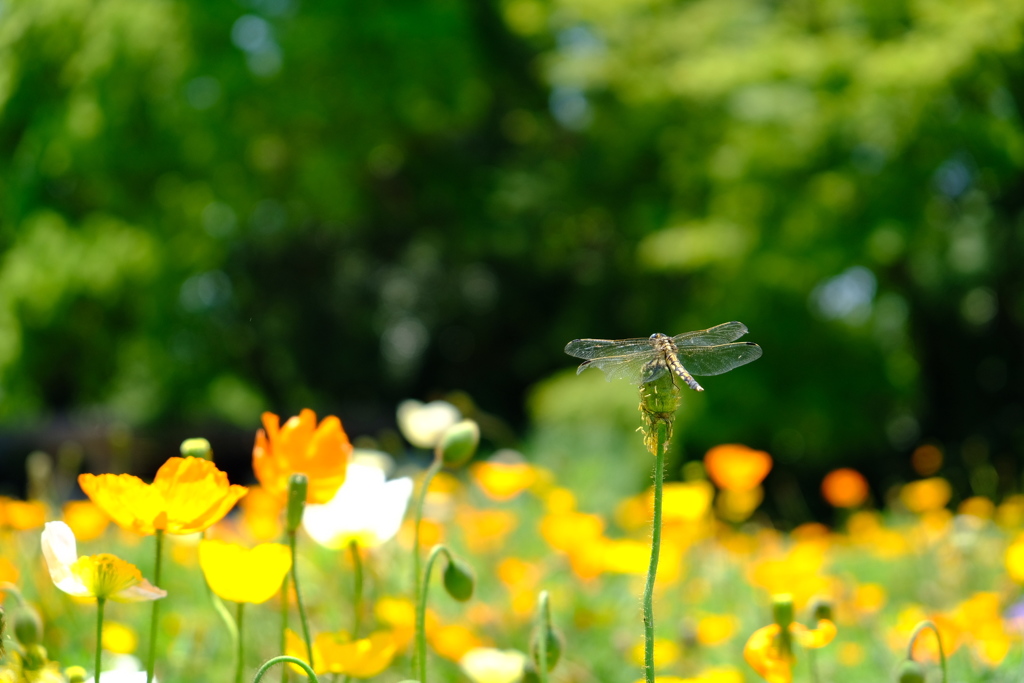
503	481
92	576
241	575
321	452
767	658
338	653
187	496
86	519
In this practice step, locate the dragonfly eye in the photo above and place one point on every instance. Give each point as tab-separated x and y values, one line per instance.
654	336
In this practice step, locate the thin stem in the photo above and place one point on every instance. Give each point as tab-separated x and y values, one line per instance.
545	629
357	600
284	625
421	496
812	662
155	614
284	659
421	613
652	570
100	603
240	663
927	623
298	598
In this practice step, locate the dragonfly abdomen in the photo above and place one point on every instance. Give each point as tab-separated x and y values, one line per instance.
670	352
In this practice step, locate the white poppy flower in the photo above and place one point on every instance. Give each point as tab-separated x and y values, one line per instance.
423	424
366	509
92	576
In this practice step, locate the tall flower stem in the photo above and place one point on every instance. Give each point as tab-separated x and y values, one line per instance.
284	625
357	598
421	496
298	598
100	603
652	569
928	624
240	663
421	614
155	614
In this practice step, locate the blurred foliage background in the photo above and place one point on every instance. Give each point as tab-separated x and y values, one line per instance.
212	209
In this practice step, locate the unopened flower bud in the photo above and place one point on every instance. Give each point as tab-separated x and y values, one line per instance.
459	443
28	626
910	672
297	486
458	580
197	448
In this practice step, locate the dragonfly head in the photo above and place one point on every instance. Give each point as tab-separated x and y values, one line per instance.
656	335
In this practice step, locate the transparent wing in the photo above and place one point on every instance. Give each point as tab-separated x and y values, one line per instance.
719	334
603	348
705	361
629	367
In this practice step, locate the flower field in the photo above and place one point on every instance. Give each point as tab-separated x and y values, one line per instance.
191	577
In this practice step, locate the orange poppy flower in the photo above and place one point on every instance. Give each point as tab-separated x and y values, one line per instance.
735	467
321	452
845	488
187	496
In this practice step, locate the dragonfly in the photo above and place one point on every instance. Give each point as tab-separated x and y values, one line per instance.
645	359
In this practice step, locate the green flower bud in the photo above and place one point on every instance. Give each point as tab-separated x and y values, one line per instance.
459	443
297	486
28	626
458	580
821	608
76	674
197	448
555	644
910	672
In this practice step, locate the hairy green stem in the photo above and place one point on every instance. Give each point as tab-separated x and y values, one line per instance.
421	613
240	663
284	659
100	603
421	496
155	614
652	570
544	629
298	599
928	624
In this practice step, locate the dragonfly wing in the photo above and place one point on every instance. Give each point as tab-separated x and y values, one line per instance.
604	348
629	367
719	334
705	361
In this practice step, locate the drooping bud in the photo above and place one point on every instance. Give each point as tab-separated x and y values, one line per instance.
459	443
659	400
28	625
554	647
821	608
197	448
552	639
910	672
297	486
458	580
